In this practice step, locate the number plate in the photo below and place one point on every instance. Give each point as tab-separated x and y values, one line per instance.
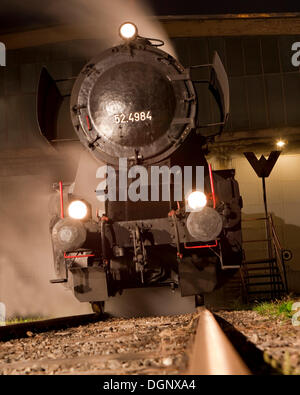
133	117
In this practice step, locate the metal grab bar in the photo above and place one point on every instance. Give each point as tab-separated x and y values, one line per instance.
274	232
278	251
254	219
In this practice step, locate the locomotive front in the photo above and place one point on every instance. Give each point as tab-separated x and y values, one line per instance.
134	107
133	101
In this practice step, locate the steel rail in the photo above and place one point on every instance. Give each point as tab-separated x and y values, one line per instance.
17	331
212	352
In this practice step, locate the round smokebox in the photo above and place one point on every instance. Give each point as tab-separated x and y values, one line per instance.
68	234
133	101
205	225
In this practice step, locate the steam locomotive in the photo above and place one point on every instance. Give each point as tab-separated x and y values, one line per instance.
137	102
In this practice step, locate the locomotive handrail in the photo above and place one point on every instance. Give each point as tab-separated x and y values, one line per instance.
208	125
197	66
254	219
160	42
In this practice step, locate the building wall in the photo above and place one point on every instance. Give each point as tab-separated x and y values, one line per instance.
18	87
264	85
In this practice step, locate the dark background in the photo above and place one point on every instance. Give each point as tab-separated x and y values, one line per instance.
225	7
15	15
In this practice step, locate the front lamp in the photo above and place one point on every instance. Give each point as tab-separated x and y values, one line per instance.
77	209
196	201
128	31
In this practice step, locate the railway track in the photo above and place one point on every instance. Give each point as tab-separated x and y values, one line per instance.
212	352
182	344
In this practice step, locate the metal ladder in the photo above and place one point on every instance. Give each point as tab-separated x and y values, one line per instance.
265	278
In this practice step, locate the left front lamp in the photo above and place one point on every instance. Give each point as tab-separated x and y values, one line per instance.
196	200
77	209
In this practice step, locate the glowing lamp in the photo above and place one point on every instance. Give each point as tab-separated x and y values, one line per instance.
280	143
77	209
196	200
128	31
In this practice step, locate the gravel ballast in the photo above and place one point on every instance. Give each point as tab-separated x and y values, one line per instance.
276	337
152	345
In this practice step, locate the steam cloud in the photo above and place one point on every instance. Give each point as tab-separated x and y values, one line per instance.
100	19
26	262
104	18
